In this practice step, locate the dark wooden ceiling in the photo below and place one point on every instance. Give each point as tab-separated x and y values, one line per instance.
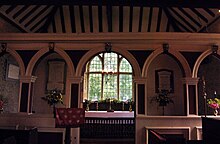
95	16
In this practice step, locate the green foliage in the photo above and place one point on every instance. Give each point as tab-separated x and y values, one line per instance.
94	86
116	84
162	98
53	97
213	103
87	101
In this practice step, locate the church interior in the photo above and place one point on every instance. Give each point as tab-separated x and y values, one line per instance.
137	69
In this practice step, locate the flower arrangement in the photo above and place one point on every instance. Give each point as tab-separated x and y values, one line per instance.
130	102
87	102
108	104
109	101
162	98
213	103
54	97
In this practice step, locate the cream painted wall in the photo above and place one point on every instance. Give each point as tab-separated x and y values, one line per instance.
164	61
39	105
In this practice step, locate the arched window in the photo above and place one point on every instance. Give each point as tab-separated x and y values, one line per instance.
108	75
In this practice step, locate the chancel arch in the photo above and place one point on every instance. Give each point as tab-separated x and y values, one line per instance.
43	51
96	50
198	62
185	66
100	49
207	70
18	59
41	66
176	65
12	69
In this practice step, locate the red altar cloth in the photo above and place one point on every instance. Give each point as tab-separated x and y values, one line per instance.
69	117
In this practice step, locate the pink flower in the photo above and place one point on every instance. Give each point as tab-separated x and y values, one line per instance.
214	105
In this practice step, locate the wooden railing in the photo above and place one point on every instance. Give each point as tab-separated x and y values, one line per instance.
108	128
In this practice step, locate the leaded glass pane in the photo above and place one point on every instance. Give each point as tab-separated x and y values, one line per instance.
125	87
95	65
94	87
110	86
125	66
110	62
104	74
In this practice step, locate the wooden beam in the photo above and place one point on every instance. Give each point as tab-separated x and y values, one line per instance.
148	3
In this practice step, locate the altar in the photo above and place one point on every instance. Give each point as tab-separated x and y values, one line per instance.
103	124
105	114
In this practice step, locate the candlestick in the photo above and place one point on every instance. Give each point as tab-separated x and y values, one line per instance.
204	94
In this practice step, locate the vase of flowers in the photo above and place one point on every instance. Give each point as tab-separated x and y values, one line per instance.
54	97
87	103
162	98
130	102
109	101
214	104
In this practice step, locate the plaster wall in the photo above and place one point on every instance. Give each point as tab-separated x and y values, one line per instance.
39	91
164	61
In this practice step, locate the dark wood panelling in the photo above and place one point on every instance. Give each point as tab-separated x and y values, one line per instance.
190	17
24	97
72	18
192	99
31	98
81	18
141	99
36	16
159	20
39	18
74	95
28	14
62	20
199	15
150	3
185	99
114	128
171	20
150	19
140	19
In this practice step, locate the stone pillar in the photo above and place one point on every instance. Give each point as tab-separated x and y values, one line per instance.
140	95
191	93
75	91
75	100
25	95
